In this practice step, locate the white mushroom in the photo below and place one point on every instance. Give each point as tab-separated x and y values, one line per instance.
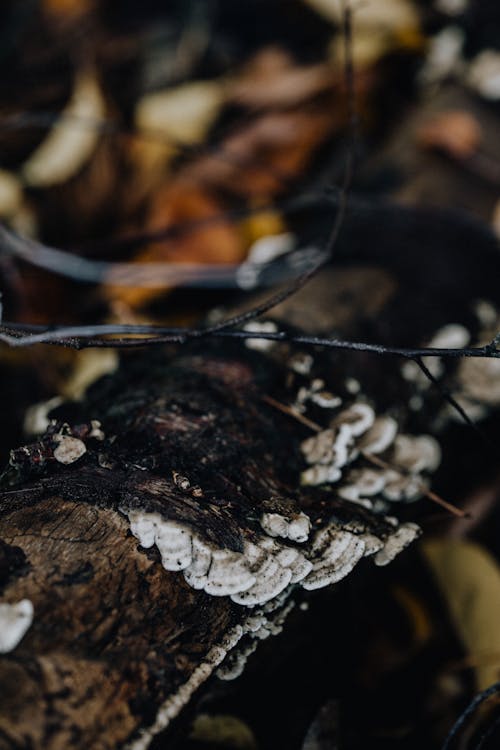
379	436
228	574
272	579
361	483
317	475
196	572
143	526
258	326
403	488
416	453
329	447
335	559
358	418
372	543
174	544
301	363
295	527
397	542
274	524
15	620
326	400
299	528
69	450
480	380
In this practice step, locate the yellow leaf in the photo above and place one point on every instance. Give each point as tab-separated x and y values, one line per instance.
469	579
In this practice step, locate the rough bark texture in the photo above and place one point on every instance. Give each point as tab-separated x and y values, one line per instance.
114	635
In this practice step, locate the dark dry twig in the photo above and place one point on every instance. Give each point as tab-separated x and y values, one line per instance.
469	711
81	337
450	399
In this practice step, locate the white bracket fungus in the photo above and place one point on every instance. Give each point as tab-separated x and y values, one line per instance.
175	703
15	620
257	326
416	453
356	432
296	528
267	567
334	555
379	436
316	393
397	542
358	418
301	363
451	336
69	449
257	627
254	576
329	447
361	484
325	399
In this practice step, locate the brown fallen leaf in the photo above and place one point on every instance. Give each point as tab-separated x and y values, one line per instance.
261	158
217	242
273	79
457	133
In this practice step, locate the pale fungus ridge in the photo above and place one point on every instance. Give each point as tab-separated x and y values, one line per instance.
176	702
268	566
315	393
296	528
396	543
265	622
229	656
334	553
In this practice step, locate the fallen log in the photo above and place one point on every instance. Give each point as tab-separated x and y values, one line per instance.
156	532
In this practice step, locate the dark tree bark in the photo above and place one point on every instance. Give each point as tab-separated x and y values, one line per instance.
118	645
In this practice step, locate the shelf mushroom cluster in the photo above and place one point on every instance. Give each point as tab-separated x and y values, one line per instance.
392	466
271	563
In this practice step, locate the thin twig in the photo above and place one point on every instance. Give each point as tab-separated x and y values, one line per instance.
451	400
291	412
80	337
469	711
302	280
425	490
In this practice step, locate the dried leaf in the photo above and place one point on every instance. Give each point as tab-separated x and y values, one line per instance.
184	113
218	242
223	731
272	79
469	579
382	16
455	132
260	159
72	140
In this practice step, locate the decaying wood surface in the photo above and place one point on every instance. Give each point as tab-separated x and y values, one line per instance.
118	645
193	437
